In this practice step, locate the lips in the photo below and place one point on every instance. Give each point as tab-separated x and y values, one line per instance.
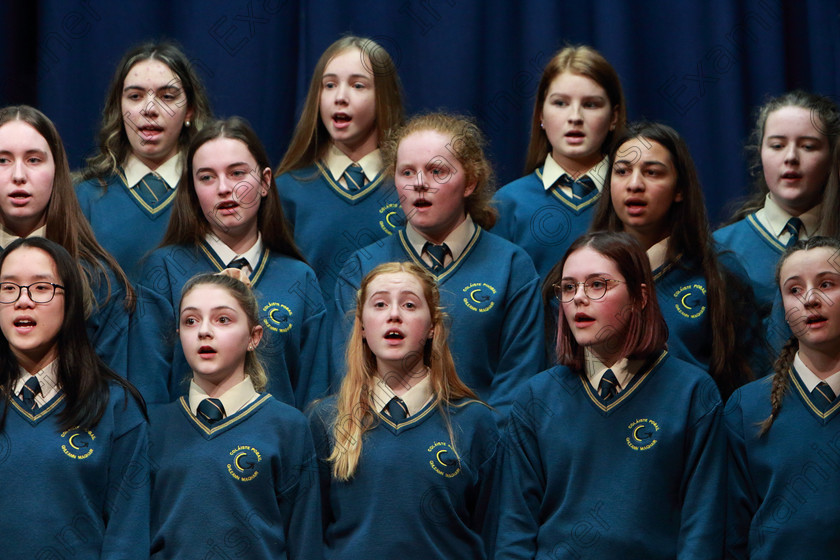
341	120
206	352
150	131
582	319
792	175
815	320
394	334
635	206
227	207
20	197
24	323
575	134
422	203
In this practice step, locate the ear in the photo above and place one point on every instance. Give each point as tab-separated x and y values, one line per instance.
469	189
266	182
188	116
614	121
678	196
431	333
645	294
256	337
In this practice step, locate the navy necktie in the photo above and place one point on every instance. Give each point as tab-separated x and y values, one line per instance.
608	387
355	177
397	410
823	395
211	410
580	187
31	388
793	227
152	189
438	254
239	262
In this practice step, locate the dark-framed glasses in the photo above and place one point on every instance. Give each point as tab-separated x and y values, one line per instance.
39	292
594	288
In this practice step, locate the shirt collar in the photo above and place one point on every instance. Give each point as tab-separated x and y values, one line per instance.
170	170
624	369
233	399
777	218
553	171
811	380
47	377
7	237
415	398
337	162
657	253
457	240
227	254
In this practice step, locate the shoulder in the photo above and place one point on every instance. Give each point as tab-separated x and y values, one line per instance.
283	414
95	185
297	176
514	189
126	410
752	399
503	249
291	265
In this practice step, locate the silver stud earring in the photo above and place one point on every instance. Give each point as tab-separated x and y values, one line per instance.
187	124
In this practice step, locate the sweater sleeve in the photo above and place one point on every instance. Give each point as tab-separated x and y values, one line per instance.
741	500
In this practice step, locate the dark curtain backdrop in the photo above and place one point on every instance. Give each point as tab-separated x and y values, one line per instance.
700	66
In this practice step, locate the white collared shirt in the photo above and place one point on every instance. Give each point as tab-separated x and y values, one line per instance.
169	171
623	369
457	241
338	162
234	399
657	253
227	254
47	377
7	237
415	398
774	219
553	171
810	379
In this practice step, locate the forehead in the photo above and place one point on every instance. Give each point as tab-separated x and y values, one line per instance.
150	71
570	83
208	296
22	135
425	144
223	151
396	282
640	150
29	262
810	263
350	61
793	121
585	261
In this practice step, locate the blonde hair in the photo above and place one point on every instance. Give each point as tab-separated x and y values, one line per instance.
467	146
354	414
248	302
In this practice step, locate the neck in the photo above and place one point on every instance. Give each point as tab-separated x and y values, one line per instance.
24	228
33	363
577	168
218	387
822	362
438	237
357	152
237	241
401	380
646	238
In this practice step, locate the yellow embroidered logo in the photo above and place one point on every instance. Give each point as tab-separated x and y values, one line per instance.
642	434
78	444
278	317
478	296
389	218
243	466
691	301
444	460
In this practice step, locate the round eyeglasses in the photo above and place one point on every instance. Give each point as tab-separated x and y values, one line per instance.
594	288
39	292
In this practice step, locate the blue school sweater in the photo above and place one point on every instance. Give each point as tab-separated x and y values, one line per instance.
330	224
640	477
783	487
76	494
758	250
292	315
544	223
414	495
124	224
246	488
491	293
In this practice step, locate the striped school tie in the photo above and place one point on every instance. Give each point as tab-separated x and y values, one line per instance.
152	189
211	410
580	187
31	388
823	395
437	253
355	177
793	227
608	387
397	410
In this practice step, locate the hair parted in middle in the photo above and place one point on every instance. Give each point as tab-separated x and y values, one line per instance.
354	414
467	146
189	226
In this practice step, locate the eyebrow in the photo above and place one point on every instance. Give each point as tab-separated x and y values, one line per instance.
36	278
217	308
592	275
806	137
161	88
643	162
231	166
333	75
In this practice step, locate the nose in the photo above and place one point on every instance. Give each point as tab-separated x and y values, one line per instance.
812	298
575	116
226	186
394	314
580	294
19	172
24	299
341	94
635	182
420	182
204	330
150	108
791	154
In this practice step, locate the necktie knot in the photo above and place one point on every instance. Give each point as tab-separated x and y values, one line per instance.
608	387
238	262
211	410
437	254
397	410
355	177
793	227
152	189
580	187
824	395
31	388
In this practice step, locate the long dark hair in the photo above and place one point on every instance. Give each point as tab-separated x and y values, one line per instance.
82	374
189	226
690	237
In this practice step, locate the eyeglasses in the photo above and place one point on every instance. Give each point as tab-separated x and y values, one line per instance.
594	288
39	292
